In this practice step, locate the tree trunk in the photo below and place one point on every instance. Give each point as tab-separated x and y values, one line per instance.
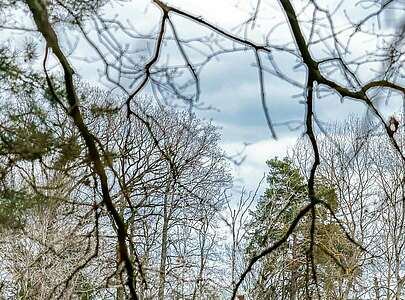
120	287
163	256
199	280
294	272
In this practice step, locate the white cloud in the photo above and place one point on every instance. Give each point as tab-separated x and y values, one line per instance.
251	171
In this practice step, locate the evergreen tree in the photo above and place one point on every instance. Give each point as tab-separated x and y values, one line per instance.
287	274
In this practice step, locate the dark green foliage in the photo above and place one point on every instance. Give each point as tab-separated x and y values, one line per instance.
286	186
12	205
17	77
284	272
70	150
26	143
71	11
32	137
25	134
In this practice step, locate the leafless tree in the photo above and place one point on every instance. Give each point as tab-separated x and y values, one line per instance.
168	63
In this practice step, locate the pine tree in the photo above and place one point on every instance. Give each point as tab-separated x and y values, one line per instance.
286	273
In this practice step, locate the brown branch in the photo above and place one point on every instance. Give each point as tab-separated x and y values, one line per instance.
40	16
275	246
167	9
151	62
315	74
263	95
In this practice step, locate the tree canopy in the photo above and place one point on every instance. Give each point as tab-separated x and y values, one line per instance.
102	153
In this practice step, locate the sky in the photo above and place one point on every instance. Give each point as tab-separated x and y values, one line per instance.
230	83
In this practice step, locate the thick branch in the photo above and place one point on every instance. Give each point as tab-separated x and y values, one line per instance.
40	15
275	246
315	74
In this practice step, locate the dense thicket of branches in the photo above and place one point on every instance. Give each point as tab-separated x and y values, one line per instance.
64	236
136	189
358	245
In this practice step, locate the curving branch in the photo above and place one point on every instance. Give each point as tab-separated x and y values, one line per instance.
40	15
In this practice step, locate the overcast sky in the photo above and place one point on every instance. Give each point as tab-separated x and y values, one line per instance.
230	83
